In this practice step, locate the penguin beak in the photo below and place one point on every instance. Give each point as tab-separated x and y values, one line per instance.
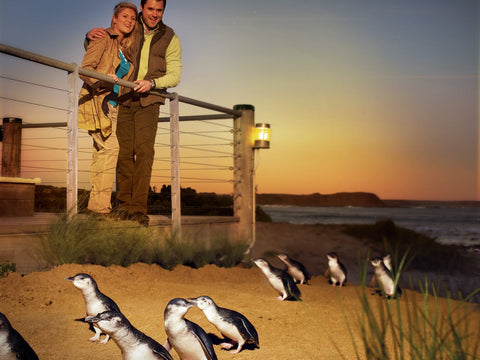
92	319
70	278
192	300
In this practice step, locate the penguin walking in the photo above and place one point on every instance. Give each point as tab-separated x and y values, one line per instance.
336	272
230	323
12	345
95	301
188	339
280	280
296	269
384	278
133	343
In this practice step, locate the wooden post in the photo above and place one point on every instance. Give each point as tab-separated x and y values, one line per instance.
244	162
175	166
11	148
72	146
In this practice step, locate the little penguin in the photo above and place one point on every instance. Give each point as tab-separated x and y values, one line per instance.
12	345
384	278
336	272
95	301
188	339
296	269
230	323
133	343
280	280
387	260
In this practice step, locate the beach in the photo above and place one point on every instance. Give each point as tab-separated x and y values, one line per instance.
44	307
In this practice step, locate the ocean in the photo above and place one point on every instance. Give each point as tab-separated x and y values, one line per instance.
447	225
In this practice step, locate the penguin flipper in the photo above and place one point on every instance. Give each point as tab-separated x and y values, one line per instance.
162	353
244	326
203	338
248	331
292	288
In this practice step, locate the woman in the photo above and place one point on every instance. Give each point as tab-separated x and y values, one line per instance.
97	111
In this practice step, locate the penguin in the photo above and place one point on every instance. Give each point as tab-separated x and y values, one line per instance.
95	301
384	278
280	280
133	343
12	345
230	323
295	268
336	272
387	260
188	339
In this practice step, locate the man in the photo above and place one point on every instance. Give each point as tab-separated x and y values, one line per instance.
158	66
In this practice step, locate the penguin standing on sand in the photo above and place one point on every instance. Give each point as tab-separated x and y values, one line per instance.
387	260
296	269
95	301
132	342
336	272
188	339
12	344
230	323
280	280
384	278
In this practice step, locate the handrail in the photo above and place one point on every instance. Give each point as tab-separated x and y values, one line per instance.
26	55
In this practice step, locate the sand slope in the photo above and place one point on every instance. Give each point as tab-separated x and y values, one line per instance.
43	307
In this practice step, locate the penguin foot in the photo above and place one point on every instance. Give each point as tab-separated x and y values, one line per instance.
104	341
227	345
95	338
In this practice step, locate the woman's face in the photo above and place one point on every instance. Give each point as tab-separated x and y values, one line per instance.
125	21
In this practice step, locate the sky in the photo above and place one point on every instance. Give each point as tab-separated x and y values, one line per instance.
378	96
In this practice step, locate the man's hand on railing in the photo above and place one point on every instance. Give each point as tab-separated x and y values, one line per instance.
143	86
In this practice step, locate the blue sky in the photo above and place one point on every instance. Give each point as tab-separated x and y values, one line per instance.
372	95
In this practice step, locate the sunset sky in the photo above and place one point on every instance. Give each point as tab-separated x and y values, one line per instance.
372	95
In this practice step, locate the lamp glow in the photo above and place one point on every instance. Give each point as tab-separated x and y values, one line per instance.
262	134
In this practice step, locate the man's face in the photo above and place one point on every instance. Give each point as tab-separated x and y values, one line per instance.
152	13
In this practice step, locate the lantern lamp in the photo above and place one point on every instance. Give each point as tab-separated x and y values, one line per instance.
261	135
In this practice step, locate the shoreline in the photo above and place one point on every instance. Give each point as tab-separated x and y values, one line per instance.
309	244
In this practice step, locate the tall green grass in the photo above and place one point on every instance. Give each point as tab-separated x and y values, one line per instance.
85	240
414	326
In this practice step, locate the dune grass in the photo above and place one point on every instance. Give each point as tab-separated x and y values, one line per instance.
84	240
414	325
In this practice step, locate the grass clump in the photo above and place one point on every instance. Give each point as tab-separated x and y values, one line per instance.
84	240
415	325
6	268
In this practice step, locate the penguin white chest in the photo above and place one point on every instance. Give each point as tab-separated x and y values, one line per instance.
184	342
140	352
276	283
336	273
385	282
5	349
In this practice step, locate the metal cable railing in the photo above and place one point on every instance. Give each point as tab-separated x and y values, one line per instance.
210	151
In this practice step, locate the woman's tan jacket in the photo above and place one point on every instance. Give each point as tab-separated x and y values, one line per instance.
101	56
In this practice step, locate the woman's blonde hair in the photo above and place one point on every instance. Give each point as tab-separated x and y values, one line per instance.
127	40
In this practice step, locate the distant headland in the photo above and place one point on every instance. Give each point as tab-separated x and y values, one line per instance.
360	199
363	199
